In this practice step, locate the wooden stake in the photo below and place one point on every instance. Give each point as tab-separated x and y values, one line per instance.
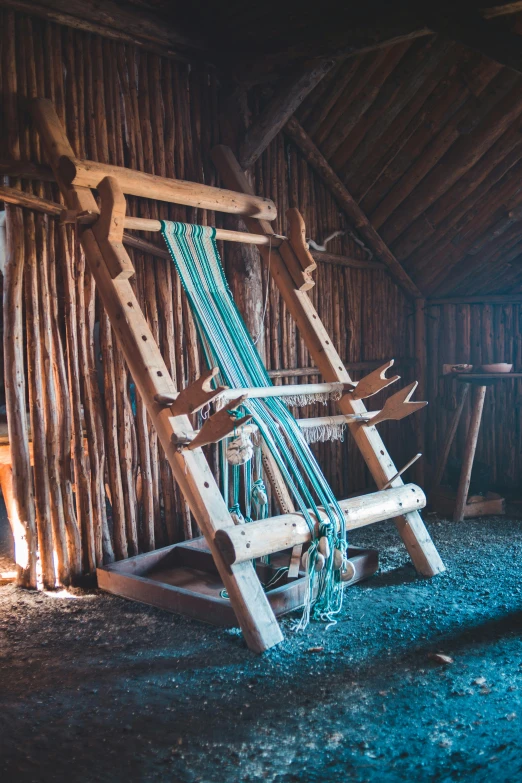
450	436
469	453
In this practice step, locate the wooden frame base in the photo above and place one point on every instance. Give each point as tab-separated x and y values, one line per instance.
183	579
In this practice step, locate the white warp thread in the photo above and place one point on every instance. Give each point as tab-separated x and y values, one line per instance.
323	433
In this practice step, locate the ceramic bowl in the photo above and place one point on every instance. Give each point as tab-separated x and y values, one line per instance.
501	367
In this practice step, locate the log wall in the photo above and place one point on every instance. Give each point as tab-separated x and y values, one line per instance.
475	334
113	490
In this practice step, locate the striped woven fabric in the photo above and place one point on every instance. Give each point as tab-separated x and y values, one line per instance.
228	345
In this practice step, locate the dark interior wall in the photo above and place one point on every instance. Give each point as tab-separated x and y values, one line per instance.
124	106
476	334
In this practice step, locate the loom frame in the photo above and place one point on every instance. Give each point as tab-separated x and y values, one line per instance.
101	238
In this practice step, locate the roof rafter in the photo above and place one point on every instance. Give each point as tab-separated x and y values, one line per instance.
341	194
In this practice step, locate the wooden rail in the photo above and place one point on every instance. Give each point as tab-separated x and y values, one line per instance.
89	174
257	539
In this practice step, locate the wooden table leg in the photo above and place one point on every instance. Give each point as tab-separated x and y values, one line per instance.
469	453
443	459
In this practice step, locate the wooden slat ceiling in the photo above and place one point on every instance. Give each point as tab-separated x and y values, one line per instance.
425	133
427	136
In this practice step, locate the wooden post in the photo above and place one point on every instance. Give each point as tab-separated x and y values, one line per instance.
450	436
149	371
421	365
411	527
23	509
469	453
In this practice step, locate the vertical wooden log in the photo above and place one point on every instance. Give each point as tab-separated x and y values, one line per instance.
101	540
421	363
81	473
64	419
125	450
469	453
113	456
14	373
23	515
94	417
51	406
36	403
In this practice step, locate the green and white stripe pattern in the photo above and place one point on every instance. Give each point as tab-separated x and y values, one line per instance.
229	346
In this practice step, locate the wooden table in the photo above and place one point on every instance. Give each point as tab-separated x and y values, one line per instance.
480	383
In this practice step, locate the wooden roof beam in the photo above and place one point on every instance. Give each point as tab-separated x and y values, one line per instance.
484	299
286	100
111	20
346	201
488	37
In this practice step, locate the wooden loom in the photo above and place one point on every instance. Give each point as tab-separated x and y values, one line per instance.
101	233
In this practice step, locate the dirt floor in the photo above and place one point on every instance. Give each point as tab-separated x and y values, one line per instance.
95	688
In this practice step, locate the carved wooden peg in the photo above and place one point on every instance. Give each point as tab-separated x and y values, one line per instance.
398	406
85	218
197	395
108	229
220	425
373	383
297	237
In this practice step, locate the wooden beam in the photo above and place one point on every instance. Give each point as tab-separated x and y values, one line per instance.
286	100
23	199
89	174
484	299
340	32
144	246
482	35
146	30
257	539
352	210
353	263
26	169
111	20
300	372
502	9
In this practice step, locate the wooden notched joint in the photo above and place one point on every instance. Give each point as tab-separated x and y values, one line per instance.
85	218
220	425
398	406
197	395
66	169
373	383
297	238
108	229
165	400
